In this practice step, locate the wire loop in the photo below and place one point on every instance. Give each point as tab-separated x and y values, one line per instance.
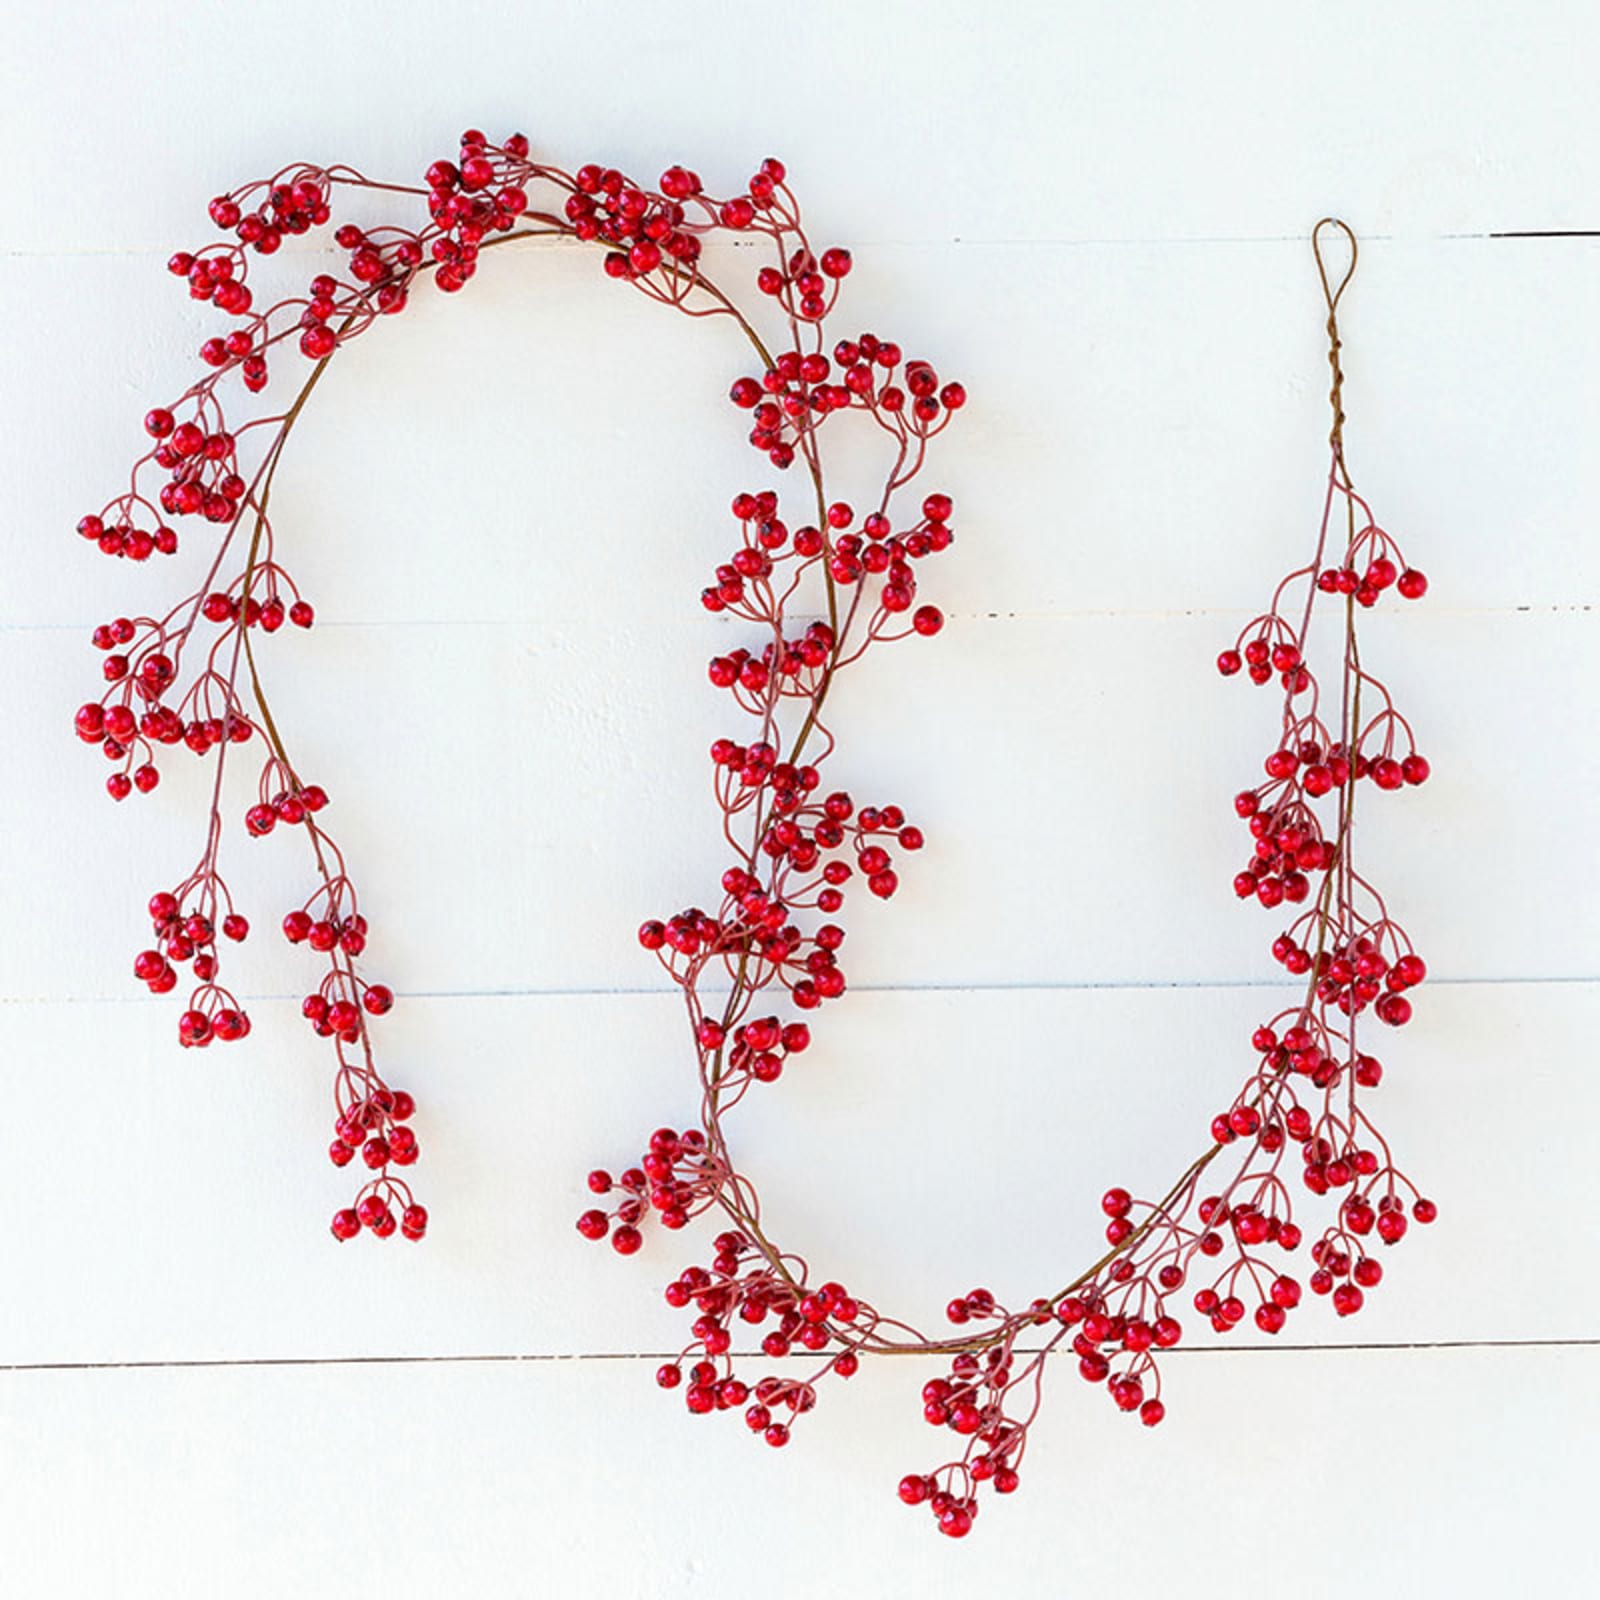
1332	295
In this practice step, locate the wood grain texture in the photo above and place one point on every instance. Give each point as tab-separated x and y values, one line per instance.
933	121
1074	777
398	1483
1096	217
167	1206
1146	430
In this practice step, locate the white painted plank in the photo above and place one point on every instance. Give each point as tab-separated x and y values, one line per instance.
167	1205
899	120
515	800
1466	1473
1096	218
1145	430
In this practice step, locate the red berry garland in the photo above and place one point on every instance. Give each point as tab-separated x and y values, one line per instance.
795	849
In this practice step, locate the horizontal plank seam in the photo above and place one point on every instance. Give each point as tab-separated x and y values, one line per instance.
1041	241
1542	608
512	1358
1114	985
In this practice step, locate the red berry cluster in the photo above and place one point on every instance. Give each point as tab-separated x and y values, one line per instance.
676	1176
738	1291
295	202
192	937
739	1287
1312	762
753	925
649	231
376	1211
905	398
374	1128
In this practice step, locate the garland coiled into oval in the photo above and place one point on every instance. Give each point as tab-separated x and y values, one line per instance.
816	581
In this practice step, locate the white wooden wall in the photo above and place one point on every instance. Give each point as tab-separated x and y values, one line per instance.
1096	215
